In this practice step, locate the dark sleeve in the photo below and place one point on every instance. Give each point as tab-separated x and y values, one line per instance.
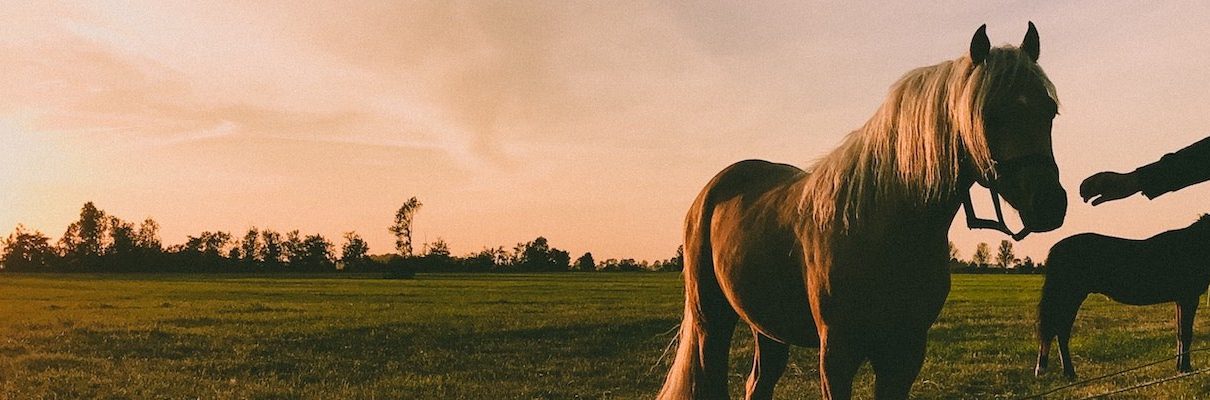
1177	170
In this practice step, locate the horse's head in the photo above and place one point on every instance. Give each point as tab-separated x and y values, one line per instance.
1018	108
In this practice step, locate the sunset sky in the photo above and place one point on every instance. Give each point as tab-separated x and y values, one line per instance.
591	123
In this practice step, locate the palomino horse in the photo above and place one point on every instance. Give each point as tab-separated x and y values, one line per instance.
851	256
1173	266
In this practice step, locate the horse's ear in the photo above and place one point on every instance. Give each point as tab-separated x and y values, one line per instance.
1030	45
980	46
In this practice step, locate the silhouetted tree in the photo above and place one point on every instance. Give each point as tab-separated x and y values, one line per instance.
122	251
251	247
485	260
26	251
982	255
148	238
314	253
84	241
538	255
402	228
1027	265
624	265
1004	255
292	248
436	256
123	239
676	263
354	252
585	263
438	248
211	244
272	253
205	252
953	252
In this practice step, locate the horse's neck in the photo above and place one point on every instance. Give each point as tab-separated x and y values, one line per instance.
911	217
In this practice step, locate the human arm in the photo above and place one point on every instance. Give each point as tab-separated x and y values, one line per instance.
1174	171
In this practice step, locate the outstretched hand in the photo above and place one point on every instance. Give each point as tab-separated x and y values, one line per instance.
1108	186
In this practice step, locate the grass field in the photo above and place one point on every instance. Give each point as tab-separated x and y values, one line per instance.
546	336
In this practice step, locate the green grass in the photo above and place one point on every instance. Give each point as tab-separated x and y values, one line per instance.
546	336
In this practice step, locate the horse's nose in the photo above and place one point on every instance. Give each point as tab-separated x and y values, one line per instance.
1050	209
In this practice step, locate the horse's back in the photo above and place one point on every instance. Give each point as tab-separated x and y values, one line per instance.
1139	272
756	255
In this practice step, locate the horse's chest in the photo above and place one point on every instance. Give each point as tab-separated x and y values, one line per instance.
904	293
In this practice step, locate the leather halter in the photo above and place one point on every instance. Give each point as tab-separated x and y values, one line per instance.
974	222
1010	166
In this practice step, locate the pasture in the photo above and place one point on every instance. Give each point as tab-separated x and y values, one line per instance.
532	336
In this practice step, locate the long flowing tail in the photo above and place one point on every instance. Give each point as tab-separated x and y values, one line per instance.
699	369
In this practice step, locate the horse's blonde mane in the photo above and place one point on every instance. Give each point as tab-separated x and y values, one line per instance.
915	145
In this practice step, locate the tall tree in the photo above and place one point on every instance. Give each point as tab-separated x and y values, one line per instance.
148	238
953	252
402	229
438	248
292	248
272	251
26	251
982	255
250	246
677	263
314	253
355	250
209	244
538	255
84	240
585	263
1004	255
122	251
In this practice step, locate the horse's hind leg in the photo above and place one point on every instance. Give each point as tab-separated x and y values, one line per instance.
1043	355
897	363
838	363
768	364
1185	311
1056	314
716	348
1059	321
1069	368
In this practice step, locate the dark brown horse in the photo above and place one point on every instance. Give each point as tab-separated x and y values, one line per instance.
1173	266
851	256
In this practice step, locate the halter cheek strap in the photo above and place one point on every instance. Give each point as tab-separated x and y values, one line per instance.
974	222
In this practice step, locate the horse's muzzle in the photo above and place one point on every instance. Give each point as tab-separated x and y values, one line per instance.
1048	210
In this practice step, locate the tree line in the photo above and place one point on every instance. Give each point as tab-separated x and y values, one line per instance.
983	261
99	242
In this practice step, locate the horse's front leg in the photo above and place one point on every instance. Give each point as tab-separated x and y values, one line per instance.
839	359
1185	311
897	362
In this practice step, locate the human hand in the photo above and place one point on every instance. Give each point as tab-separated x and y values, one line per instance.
1108	186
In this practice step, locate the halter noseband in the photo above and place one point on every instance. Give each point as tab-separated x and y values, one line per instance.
974	222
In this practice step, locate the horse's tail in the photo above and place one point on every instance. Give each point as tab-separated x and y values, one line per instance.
707	311
1049	313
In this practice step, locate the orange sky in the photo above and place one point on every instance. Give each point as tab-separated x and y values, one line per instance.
594	125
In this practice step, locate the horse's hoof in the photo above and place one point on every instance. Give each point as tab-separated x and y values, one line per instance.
1039	371
1071	376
